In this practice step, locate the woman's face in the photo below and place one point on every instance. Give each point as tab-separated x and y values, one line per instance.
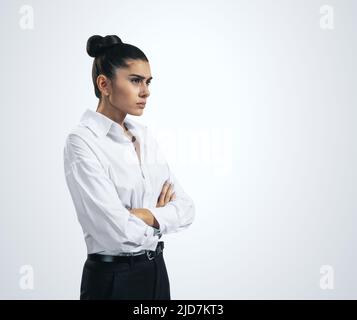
131	87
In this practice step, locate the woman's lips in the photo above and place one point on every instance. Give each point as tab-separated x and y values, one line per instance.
141	105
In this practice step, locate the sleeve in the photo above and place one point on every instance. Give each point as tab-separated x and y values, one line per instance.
177	214
100	211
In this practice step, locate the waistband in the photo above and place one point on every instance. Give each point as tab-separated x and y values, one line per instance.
128	257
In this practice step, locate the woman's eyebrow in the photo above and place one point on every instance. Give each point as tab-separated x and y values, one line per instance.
139	76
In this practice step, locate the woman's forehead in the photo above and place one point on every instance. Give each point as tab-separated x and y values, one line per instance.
137	68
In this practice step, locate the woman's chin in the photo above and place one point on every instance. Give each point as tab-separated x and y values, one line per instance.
137	112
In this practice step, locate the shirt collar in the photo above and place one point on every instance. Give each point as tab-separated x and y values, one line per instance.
101	125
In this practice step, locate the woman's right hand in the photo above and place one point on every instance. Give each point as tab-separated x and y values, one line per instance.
166	195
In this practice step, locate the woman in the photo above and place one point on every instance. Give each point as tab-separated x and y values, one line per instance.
123	191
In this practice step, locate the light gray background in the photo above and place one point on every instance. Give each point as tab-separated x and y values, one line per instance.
264	71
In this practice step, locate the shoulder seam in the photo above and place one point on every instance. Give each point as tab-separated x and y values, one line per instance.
89	147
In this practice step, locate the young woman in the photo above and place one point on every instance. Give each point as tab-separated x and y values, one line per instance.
124	193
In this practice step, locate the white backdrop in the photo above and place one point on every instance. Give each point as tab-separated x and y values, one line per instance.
254	103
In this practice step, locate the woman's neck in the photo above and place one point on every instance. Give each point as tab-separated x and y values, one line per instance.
104	107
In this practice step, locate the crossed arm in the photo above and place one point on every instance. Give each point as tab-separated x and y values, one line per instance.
101	212
146	215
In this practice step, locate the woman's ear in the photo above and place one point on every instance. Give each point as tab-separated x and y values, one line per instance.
104	85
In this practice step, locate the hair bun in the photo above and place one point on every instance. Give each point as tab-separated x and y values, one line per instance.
96	45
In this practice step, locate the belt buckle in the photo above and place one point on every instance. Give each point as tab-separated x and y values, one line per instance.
148	254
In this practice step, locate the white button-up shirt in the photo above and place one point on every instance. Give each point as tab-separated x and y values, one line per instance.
105	179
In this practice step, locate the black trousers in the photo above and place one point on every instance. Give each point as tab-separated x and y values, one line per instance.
144	280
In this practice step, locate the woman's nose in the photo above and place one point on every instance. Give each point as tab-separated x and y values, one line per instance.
145	91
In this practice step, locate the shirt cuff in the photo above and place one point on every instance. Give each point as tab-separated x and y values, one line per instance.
149	232
166	217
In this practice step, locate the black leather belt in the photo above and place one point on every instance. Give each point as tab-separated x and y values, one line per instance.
146	255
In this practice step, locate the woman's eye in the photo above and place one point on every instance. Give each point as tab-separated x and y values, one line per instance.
139	80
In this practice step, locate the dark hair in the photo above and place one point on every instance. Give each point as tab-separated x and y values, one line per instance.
110	53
